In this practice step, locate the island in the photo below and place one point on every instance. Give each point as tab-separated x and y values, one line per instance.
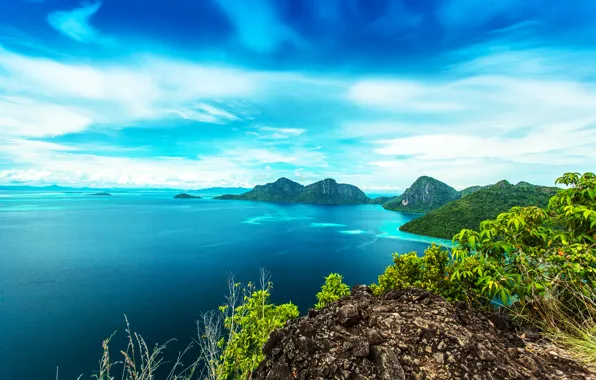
325	192
485	203
186	196
102	194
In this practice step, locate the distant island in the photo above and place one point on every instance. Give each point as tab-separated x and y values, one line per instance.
186	196
325	192
102	194
69	189
473	207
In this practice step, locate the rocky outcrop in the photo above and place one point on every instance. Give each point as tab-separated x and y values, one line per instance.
424	195
407	334
327	191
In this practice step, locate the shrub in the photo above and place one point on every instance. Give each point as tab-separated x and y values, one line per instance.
248	325
426	272
332	290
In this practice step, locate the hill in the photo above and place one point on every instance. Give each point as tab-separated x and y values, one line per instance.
186	196
424	195
327	191
471	210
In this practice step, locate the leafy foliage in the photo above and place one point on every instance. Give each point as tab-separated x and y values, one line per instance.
332	290
424	195
426	272
528	259
248	326
474	208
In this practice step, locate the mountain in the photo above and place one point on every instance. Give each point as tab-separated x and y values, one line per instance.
479	206
424	195
327	191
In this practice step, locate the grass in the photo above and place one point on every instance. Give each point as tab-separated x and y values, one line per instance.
576	335
140	362
571	331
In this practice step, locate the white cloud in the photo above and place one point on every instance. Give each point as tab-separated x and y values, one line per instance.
75	24
401	95
67	165
280	133
204	112
24	117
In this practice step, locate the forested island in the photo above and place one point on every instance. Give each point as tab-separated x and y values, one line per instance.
472	208
325	192
186	196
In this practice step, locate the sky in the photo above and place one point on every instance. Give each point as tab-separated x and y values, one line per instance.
201	93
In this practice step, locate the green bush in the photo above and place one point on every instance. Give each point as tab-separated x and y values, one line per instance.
426	272
247	328
332	290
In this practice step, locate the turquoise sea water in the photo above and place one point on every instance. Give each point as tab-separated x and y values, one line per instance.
72	264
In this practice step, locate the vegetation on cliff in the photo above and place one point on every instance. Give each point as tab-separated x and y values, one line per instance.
424	195
478	206
327	191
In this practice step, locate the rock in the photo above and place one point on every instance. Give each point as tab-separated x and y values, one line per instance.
407	334
361	349
279	372
373	337
439	357
348	315
388	365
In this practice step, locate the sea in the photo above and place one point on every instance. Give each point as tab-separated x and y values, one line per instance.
73	265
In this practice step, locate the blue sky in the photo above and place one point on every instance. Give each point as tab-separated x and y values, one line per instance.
234	93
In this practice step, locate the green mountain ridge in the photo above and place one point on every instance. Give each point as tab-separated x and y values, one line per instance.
470	190
326	192
424	195
475	207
